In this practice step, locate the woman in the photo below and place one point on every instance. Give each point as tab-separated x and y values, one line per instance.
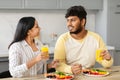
25	58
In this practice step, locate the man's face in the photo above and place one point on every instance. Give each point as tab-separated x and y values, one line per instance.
74	24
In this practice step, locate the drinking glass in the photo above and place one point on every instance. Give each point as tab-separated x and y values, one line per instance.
99	58
45	49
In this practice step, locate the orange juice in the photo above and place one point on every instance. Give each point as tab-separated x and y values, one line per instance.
45	49
99	58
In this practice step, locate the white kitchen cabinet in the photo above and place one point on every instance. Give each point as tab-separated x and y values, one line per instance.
113	21
28	4
11	4
62	4
41	4
88	4
49	4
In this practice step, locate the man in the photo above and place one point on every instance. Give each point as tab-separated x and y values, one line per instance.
76	49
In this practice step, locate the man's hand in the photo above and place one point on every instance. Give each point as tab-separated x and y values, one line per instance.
76	68
106	55
53	64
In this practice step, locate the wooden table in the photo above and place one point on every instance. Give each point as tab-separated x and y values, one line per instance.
114	75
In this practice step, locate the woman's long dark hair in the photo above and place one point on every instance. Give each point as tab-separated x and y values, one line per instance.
23	26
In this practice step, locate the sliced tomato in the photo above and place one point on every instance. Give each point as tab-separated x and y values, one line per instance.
68	77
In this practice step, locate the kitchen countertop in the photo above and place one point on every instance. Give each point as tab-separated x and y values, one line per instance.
51	50
4	55
114	75
5	52
110	48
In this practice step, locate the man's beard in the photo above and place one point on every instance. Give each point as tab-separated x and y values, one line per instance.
79	29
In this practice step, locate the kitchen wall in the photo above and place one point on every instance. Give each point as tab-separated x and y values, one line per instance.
101	21
108	21
50	21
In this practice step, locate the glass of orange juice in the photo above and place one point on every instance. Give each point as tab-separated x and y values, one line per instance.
99	58
45	49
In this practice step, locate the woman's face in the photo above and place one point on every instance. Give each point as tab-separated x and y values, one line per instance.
34	32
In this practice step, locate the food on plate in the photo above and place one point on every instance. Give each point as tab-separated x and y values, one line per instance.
59	75
50	75
95	72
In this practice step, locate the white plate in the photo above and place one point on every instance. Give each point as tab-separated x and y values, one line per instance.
56	79
97	75
60	79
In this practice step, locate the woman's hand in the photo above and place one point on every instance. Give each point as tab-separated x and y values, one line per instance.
42	56
76	68
39	57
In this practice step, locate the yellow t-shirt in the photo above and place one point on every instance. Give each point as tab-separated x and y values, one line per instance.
71	51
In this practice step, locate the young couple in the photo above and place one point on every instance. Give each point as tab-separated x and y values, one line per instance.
74	50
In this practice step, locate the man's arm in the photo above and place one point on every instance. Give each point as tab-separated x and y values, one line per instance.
105	62
60	54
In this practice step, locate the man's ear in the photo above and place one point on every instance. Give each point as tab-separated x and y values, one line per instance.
83	22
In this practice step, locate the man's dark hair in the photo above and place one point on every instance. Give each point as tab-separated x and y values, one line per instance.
78	11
